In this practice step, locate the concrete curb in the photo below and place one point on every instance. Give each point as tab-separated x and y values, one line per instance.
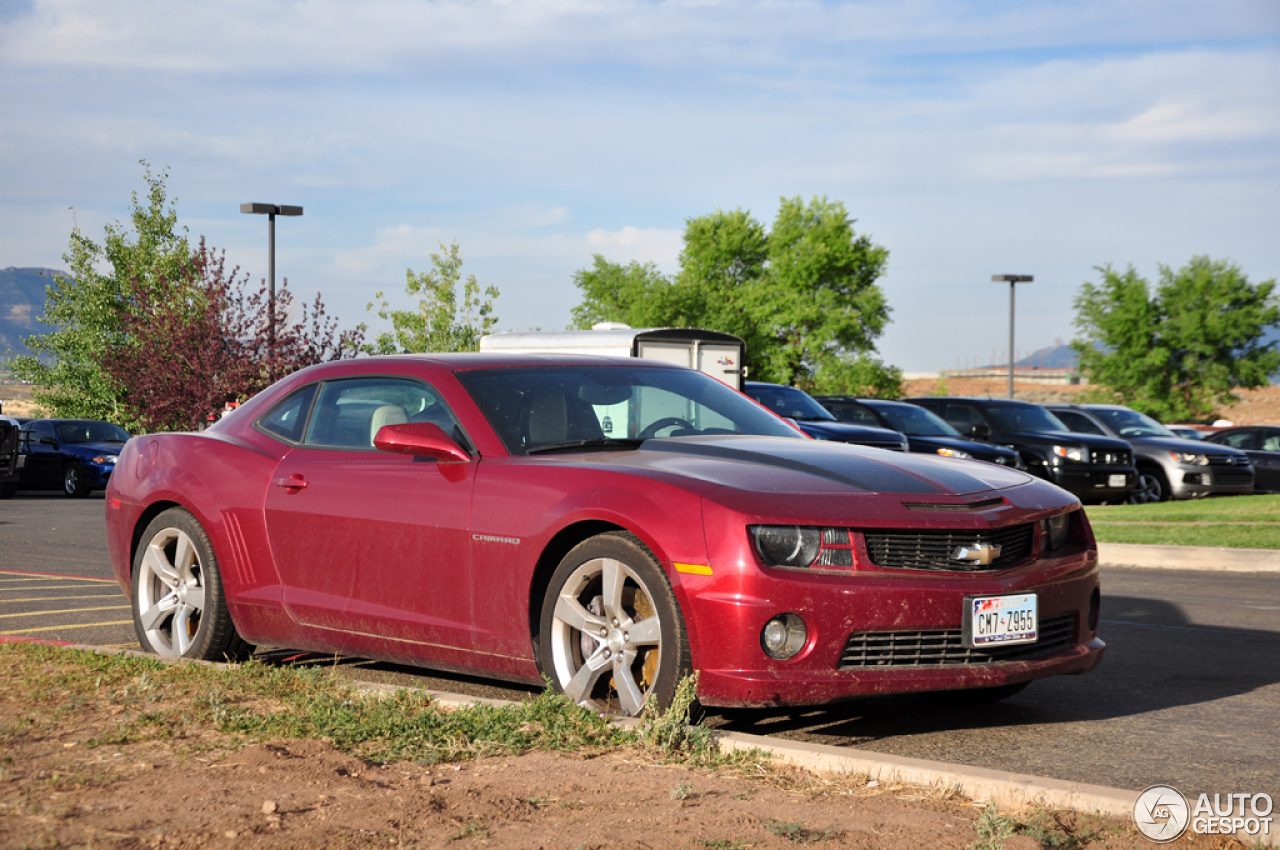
1212	558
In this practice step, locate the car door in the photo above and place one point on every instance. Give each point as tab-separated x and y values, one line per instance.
42	463
1266	460
368	542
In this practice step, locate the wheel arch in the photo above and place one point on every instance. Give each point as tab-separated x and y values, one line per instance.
144	519
561	543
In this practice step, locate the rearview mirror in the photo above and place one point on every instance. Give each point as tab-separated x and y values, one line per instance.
980	431
420	439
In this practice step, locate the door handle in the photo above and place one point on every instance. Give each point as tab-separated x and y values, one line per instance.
293	483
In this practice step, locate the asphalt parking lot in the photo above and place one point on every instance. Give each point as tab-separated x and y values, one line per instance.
1188	692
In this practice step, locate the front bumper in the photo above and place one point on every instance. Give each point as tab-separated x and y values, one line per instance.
1095	482
728	610
1188	481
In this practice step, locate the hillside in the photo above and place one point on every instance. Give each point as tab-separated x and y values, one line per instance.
22	293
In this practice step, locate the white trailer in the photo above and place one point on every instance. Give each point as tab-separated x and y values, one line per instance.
717	354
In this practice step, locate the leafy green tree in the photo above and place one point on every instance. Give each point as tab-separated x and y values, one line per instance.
441	322
86	309
803	296
1175	351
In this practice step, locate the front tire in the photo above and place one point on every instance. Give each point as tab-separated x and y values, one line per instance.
611	637
73	481
179	609
1152	487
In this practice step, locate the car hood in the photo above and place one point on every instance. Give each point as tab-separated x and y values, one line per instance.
973	447
844	432
90	449
781	465
1068	438
1177	444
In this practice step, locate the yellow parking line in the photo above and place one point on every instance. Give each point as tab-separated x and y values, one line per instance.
56	598
40	587
76	626
65	611
18	576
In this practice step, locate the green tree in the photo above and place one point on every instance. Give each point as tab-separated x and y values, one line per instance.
803	296
1175	351
440	322
86	309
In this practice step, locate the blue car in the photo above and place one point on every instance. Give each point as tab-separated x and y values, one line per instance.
816	421
74	455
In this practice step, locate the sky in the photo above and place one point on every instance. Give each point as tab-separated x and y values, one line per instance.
967	138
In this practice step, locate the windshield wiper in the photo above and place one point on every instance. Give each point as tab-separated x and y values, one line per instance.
575	445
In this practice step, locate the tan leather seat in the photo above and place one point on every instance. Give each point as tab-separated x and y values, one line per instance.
388	414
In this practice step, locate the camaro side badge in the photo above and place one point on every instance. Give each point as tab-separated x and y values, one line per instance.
489	538
978	554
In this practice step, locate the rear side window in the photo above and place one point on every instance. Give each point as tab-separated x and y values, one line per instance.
1271	441
1238	440
288	417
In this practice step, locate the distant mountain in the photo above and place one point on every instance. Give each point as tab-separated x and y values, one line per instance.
22	293
1060	355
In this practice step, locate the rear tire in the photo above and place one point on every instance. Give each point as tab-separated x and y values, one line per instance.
179	608
611	637
8	491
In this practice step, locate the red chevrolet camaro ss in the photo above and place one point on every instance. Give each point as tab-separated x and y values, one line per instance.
613	525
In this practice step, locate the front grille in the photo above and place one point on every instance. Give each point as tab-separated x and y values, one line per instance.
1117	458
945	647
1232	478
933	550
1228	460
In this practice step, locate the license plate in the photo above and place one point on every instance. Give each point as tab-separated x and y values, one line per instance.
991	620
1115	481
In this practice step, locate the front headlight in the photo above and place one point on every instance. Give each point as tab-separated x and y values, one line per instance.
1191	458
1055	531
787	545
1075	453
953	453
109	460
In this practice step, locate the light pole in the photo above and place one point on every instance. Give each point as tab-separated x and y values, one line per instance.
1014	280
271	211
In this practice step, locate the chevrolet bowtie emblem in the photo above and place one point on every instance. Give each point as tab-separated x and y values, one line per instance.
978	554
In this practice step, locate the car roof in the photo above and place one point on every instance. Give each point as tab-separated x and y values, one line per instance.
974	399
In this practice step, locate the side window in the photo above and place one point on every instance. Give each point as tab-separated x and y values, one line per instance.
1271	441
963	417
853	413
1078	422
287	418
1240	439
348	414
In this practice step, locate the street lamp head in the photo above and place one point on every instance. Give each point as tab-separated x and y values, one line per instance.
1004	278
270	209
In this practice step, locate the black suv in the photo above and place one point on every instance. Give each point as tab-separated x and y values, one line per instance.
8	457
814	420
926	432
1094	468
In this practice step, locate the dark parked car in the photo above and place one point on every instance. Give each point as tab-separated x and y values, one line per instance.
8	457
927	433
74	455
470	512
816	421
1092	467
1169	467
1262	444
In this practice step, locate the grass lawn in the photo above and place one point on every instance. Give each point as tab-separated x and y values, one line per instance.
1249	522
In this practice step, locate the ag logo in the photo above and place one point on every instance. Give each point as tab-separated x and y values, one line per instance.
1161	813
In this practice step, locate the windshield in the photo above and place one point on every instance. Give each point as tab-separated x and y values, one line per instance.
534	408
1131	423
790	402
916	421
81	431
1025	417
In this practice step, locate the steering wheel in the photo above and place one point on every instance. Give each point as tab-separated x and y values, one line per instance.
655	427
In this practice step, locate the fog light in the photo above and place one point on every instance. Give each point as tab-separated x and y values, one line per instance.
783	636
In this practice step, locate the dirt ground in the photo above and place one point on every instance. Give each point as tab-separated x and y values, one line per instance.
55	791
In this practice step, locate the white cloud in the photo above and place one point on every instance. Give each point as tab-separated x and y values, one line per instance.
644	245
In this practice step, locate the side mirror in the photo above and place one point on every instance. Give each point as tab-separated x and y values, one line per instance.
420	439
980	431
48	441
